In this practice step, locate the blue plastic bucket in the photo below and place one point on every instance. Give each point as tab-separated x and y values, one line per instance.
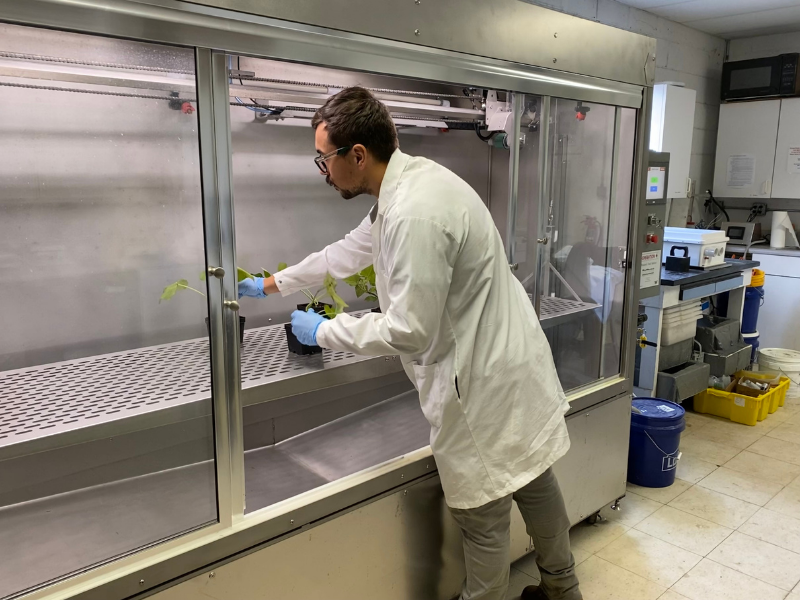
655	441
752	339
753	299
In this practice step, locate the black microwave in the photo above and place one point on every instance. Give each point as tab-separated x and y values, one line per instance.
761	77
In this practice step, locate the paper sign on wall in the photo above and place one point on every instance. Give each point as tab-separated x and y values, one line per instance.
741	170
651	269
793	166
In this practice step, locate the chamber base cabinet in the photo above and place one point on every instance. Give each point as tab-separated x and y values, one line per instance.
746	149
404	545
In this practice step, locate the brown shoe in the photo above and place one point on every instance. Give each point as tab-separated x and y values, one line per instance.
533	592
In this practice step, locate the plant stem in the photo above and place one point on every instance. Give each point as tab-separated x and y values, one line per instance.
186	287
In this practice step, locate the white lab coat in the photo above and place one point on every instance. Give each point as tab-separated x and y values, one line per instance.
462	324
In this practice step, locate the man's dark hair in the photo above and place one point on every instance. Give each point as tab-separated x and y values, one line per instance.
355	116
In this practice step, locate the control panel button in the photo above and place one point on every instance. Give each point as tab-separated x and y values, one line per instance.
651	238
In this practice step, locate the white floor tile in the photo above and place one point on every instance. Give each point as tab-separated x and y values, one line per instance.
633	510
692	470
788	432
517	582
793	596
775	528
787	502
795	483
715	507
684	530
730	434
592	538
707	450
601	580
670	595
712	581
758	559
741	485
662	495
650	557
768	424
764	467
775	448
696	421
527	565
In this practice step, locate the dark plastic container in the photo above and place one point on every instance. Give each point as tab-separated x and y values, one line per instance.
655	442
753	299
291	340
241	328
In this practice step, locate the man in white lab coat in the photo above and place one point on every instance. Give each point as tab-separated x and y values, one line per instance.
467	334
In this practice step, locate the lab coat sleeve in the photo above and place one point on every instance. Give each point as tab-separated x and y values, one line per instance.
420	255
341	259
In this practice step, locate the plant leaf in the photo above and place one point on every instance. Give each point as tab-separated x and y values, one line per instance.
361	289
330	311
369	273
202	275
168	292
281	266
241	274
265	274
330	287
353	279
372	298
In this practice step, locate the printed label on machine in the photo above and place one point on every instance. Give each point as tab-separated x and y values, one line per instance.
651	269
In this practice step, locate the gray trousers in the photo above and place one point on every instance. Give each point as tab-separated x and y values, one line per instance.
487	534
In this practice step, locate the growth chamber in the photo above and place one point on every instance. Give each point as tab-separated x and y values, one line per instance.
157	438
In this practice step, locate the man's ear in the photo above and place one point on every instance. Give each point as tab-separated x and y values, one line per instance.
360	154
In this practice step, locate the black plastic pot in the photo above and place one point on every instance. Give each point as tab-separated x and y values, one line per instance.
241	328
376	310
291	340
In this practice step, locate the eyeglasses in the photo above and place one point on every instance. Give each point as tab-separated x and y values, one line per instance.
320	160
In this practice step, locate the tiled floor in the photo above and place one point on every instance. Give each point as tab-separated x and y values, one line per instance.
728	529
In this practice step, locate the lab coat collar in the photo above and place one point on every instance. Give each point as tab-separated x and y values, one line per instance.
394	171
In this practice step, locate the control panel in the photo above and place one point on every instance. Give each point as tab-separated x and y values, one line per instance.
651	224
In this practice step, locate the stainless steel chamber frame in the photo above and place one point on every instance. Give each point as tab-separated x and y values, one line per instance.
618	72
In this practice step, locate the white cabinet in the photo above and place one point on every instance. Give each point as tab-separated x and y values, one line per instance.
780	313
671	128
786	178
746	141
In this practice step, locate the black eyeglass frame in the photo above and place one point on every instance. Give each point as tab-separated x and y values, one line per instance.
320	160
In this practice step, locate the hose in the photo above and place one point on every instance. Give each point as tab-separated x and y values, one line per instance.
484	138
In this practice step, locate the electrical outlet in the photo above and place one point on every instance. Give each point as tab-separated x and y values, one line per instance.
759	208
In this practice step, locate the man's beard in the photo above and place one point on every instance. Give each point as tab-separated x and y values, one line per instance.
348	194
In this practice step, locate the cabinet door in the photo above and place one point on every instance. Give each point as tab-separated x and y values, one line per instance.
746	149
786	181
671	131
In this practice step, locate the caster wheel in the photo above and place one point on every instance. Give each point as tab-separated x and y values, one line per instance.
593	519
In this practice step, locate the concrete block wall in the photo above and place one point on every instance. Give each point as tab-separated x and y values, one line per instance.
682	54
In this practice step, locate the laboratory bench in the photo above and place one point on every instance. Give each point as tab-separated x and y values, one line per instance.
679	288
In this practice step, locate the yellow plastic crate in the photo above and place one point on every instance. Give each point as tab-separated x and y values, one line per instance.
777	395
739	408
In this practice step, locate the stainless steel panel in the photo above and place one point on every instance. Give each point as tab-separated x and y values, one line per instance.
183	23
507	29
517	104
594	471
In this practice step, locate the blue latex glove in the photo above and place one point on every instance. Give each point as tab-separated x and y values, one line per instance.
252	287
305	325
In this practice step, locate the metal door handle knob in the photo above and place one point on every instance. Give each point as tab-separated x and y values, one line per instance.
543	240
217	272
232	304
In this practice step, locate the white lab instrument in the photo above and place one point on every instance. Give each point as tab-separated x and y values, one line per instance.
705	247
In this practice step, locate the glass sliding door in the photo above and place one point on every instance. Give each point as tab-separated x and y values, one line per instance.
106	426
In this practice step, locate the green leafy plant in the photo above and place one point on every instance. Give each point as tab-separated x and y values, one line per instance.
364	283
326	292
174	288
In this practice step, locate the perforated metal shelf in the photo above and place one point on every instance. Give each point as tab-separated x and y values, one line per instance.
555	311
111	394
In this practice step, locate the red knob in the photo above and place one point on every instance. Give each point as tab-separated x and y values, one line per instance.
651	238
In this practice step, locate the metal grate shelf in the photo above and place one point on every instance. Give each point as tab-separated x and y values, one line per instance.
555	311
67	399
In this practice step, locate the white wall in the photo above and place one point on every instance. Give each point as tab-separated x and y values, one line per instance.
683	54
763	46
